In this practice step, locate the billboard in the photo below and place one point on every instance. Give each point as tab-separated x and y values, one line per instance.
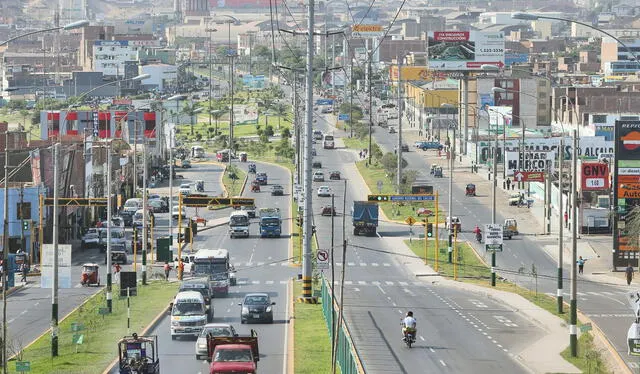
541	161
253	82
366	31
626	190
464	50
245	114
64	266
416	73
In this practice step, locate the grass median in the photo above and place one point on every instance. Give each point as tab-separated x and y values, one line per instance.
233	180
472	269
100	333
312	344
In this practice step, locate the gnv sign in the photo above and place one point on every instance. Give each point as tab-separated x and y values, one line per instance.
595	176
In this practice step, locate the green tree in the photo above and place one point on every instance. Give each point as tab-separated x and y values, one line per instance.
268	131
286	133
191	109
281	110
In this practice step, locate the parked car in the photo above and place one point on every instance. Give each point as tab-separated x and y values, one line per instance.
316	165
318	176
277	190
158	206
334	176
256	307
324	191
405	147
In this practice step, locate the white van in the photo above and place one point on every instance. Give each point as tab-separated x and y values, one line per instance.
132	205
188	314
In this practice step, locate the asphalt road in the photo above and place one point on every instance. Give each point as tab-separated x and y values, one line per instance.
604	303
262	266
457	332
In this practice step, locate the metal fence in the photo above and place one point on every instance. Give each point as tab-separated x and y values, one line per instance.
346	354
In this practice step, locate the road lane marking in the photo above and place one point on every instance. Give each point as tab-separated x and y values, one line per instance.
362	283
284	282
389	283
356	289
363	264
375	283
403	283
255	282
432	350
268	282
351	264
381	290
385	264
374	264
442	362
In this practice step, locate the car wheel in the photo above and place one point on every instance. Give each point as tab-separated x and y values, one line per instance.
242	321
173	337
197	358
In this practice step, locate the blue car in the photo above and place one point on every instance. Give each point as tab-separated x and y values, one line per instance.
430	145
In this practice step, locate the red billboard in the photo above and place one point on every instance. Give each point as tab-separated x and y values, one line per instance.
595	176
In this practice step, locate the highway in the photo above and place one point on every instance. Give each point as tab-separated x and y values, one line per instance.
604	303
262	266
457	331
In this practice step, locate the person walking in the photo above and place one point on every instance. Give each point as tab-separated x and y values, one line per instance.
24	270
581	262
566	220
167	269
180	269
629	273
508	184
116	271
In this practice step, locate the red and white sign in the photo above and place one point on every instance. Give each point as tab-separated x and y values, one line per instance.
528	176
595	176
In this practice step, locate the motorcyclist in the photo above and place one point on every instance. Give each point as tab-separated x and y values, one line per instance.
478	233
409	325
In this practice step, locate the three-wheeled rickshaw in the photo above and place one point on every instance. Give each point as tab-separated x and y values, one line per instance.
138	355
90	275
470	190
255	186
252	168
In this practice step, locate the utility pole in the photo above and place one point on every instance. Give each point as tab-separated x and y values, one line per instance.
399	151
109	280
231	86
573	329
145	213
5	255
54	284
351	97
308	212
171	185
135	157
370	104
493	204
22	244
560	228
452	155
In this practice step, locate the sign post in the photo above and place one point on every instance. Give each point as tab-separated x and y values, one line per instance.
322	259
493	237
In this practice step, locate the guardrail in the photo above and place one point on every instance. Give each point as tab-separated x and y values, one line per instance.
346	353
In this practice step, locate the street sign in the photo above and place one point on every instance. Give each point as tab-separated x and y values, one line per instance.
72	201
595	176
494	247
343	117
387	198
23	366
528	176
203	201
410	221
78	339
633	339
493	234
586	327
322	259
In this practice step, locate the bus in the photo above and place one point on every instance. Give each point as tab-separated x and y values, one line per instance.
214	263
197	151
239	224
328	142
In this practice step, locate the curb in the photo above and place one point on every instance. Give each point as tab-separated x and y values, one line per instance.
13	290
62	319
224	170
149	327
598	335
290	352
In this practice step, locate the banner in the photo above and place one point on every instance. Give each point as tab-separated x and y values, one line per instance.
464	50
64	266
245	114
530	161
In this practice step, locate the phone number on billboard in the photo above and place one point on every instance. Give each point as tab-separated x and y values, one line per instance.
488	50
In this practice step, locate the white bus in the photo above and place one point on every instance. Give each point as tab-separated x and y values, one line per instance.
197	152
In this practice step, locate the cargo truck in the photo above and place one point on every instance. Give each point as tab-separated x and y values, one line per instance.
364	215
233	354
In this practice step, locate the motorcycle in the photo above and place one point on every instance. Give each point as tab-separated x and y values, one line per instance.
409	336
479	236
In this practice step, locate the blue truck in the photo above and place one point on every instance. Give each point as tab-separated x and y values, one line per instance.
364	215
270	223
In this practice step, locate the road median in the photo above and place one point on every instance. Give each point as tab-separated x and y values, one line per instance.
99	331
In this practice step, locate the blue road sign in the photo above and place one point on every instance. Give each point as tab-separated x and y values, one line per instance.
324	102
343	117
383	198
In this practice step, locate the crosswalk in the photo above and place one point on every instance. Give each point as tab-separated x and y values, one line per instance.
286	263
243	282
586	295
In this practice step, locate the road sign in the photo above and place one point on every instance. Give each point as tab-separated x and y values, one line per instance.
23	366
586	327
410	221
528	176
78	339
494	247
493	234
322	259
343	117
203	201
388	198
595	176
71	201
633	339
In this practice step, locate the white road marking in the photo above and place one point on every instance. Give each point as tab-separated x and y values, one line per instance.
284	282
362	282
375	283
442	362
381	290
403	283
363	264
351	264
268	282
251	257
374	264
385	264
356	289
432	350
421	338
389	283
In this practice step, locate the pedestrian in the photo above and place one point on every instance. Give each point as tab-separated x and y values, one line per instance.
167	269
629	272
116	271
180	269
360	154
508	183
566	220
581	262
24	270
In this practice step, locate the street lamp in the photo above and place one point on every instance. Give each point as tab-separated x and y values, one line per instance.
136	78
210	30
177	99
452	152
69	26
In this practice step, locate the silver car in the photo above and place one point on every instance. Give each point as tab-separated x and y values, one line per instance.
215	329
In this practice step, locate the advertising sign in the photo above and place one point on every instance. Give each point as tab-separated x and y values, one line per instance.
626	190
366	31
245	114
416	73
493	234
633	339
529	176
595	176
464	50
64	266
253	82
533	161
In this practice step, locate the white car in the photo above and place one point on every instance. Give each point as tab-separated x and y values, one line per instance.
318	176
185	189
216	330
324	191
178	212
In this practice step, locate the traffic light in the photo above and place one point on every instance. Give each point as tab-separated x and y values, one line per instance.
299	221
429	230
25	225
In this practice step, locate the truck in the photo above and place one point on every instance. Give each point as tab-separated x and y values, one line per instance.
233	354
364	216
270	222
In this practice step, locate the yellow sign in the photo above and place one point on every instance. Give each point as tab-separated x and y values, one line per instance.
417	73
410	221
367	28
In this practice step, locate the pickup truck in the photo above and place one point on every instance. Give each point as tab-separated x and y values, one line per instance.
233	354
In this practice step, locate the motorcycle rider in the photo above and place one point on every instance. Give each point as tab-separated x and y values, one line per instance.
408	325
478	233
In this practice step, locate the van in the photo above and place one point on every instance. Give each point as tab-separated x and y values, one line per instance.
132	205
203	286
188	314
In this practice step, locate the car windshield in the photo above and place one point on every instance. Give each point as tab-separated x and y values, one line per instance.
238	220
130	204
270	222
117	234
232	355
216	331
256	300
187	309
219	276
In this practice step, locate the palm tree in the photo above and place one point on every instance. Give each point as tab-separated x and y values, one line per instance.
217	114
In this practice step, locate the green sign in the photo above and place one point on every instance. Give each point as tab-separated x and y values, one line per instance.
103	311
317	293
494	247
22	366
75	326
586	327
78	338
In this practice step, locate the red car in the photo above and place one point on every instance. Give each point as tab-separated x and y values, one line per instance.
328	210
334	176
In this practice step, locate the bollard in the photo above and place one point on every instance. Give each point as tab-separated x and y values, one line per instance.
489	175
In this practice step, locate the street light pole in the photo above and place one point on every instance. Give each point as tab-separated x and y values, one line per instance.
399	167
54	284
5	255
573	329
109	279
